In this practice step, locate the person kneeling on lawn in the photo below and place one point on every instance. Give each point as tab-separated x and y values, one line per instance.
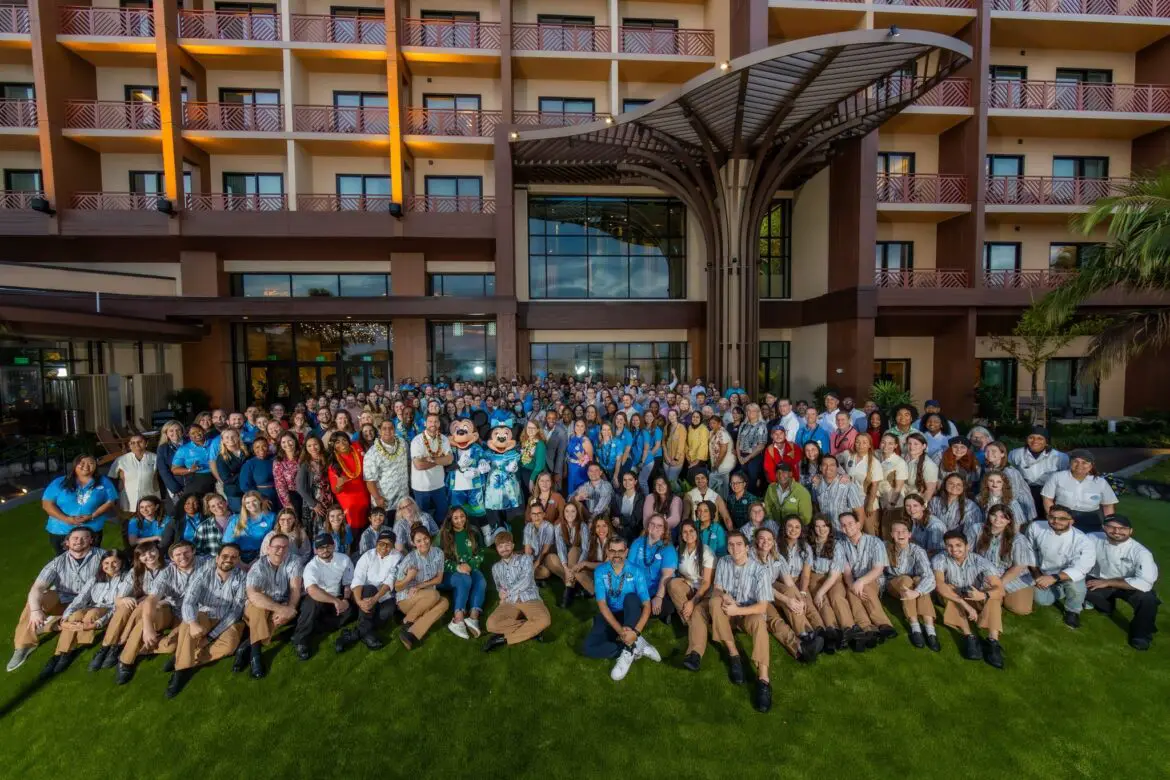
972	591
274	591
1125	570
521	614
623	609
1064	556
739	600
373	587
327	579
212	612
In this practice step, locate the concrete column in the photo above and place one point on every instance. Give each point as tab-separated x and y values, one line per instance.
749	26
954	365
208	363
853	210
410	348
395	77
507	363
850	356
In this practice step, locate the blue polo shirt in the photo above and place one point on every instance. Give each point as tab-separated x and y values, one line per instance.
190	526
253	534
734	391
141	528
817	434
653	559
605	582
81	502
193	456
654	444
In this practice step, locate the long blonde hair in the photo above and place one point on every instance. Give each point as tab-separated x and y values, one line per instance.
244	517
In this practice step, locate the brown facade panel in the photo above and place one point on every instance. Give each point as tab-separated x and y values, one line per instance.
410	348
954	365
207	364
507	344
1146	380
853	204
630	316
849	365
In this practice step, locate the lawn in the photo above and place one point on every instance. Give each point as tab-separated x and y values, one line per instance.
1159	472
1069	704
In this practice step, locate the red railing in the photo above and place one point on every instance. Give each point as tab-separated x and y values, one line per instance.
444	204
111	115
341	119
18	113
339	29
114	22
229	26
1050	190
14	20
14	200
444	121
685	43
560	37
928	3
950	93
222	201
555	118
116	201
921	188
1158	9
233	117
450	33
1078	96
1045	279
369	203
931	278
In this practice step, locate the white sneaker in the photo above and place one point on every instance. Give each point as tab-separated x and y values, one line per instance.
19	656
458	629
622	667
643	649
472	626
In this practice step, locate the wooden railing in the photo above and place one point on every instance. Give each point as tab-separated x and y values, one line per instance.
341	119
18	113
555	118
1045	279
331	202
233	117
116	201
560	37
11	200
931	278
14	20
666	42
921	188
229	25
1079	96
1050	190
339	29
438	204
222	201
915	3
113	22
443	121
111	115
1157	9
450	34
949	93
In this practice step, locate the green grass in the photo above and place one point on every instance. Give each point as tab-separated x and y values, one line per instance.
1159	472
1068	705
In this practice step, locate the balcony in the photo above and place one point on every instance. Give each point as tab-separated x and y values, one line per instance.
667	43
928	278
17	200
1098	25
115	201
444	204
229	26
1156	9
451	47
365	30
555	118
18	113
937	111
800	18
1046	197
327	203
1044	280
571	38
233	117
90	21
1077	109
14	20
347	120
921	197
223	201
111	115
448	122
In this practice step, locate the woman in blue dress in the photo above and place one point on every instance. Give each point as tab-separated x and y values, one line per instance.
579	453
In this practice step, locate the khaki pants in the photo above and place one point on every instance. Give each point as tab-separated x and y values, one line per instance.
680	593
835	612
50	605
723	627
119	625
781	630
1020	602
422	610
585	580
191	652
519	622
868	613
261	626
870	522
552	565
800	622
914	609
990	615
164	618
70	638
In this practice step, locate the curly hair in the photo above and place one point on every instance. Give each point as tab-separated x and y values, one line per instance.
983	543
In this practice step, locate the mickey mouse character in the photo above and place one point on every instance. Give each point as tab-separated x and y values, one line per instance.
465	483
502	492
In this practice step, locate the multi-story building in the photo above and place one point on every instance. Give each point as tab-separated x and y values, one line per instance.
266	200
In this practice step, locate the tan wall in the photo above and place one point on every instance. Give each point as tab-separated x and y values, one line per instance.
245	163
242	79
321	86
1035	241
484	168
116	169
16	72
920	353
527	10
167	269
324	170
321	7
922	234
40	278
639	90
1038	152
690	16
1111	395
923	147
716	17
173	363
808	357
488	10
491	96
460	267
112	82
1042	63
528	93
810	241
25	161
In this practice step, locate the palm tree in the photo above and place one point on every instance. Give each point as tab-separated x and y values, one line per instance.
1135	258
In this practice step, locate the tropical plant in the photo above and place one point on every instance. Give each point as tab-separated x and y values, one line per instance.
1135	259
994	402
820	391
1034	340
887	394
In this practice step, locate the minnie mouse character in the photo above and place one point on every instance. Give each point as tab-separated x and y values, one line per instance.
502	492
465	482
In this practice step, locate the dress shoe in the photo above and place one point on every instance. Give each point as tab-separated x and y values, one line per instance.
735	671
1072	619
256	662
124	674
494	642
302	650
99	658
169	664
568	597
243	653
692	661
887	632
932	643
972	650
993	653
346	640
917	639
1140	644
371	641
112	657
762	701
810	648
408	639
65	659
50	668
178	681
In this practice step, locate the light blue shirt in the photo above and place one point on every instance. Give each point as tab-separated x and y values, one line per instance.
254	531
81	502
141	528
653	559
817	434
613	593
192	455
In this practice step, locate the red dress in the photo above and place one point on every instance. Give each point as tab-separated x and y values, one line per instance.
353	496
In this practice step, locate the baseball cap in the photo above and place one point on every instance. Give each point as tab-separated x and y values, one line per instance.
323	540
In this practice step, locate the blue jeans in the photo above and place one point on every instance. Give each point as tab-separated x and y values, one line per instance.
1071	593
433	502
469	589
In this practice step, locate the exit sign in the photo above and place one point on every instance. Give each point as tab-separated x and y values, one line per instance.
20	361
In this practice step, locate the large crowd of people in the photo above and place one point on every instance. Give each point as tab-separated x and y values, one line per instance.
674	502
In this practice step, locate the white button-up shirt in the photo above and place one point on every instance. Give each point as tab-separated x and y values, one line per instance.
330	576
376	571
1127	561
139	478
1070	552
1086	495
1037	468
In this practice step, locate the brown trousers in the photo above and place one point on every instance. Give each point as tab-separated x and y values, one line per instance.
422	610
723	628
914	609
519	622
71	638
119	625
990	615
585	580
680	593
835	612
50	605
801	622
782	631
552	566
191	652
870	523
164	618
261	626
1020	602
868	613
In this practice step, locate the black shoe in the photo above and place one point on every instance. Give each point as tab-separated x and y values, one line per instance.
832	640
302	650
99	658
886	632
692	661
50	667
257	663
1072	619
169	664
542	583
972	650
872	640
735	671
408	639
810	647
124	674
112	656
243	654
932	643
66	659
568	597
1141	644
346	640
371	641
494	642
917	640
993	653
178	682
859	642
762	701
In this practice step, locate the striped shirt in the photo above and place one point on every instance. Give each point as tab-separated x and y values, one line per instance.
796	557
747	584
775	568
566	546
402	529
911	561
68	576
274	581
222	600
869	551
751	436
514	579
836	497
956	514
930	536
971	573
173	584
1022	555
749	530
101	595
822	565
535	538
426	567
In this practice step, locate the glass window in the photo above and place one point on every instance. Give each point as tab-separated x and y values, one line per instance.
774	367
776	251
22	181
319	342
1069	257
472	285
1001	257
895	256
364	285
311	285
271	341
629	104
896	370
314	285
265	286
17	92
651	362
463	349
1068	394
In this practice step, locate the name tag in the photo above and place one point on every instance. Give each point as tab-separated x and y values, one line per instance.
658	556
1095	497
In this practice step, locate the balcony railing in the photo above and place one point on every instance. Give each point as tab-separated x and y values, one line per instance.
555	118
229	26
14	20
950	93
930	278
222	201
446	204
1158	9
15	200
341	119
111	115
666	42
915	3
1046	279
339	29
1079	96
233	117
1050	190
18	113
451	34
113	22
443	121
116	201
328	202
921	188
560	37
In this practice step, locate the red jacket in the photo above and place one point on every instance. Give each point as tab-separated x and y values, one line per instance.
773	457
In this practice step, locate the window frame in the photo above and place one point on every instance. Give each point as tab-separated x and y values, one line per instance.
38	172
881	374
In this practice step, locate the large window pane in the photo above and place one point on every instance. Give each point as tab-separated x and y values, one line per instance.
318	342
365	339
463	349
314	285
363	285
273	341
266	285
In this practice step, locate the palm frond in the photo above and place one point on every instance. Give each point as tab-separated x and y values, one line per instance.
1125	337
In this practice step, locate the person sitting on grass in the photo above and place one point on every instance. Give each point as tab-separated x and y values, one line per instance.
373	587
326	605
462	557
623	609
1064	556
689	589
909	578
419	575
788	613
570	530
90	612
972	592
594	549
651	552
999	541
521	615
1124	570
739	600
274	589
148	565
540	544
865	561
826	583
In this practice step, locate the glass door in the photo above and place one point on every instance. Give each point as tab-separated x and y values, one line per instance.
1003	179
1008	87
460	32
247	21
453	114
141	108
1081	89
895	177
351	24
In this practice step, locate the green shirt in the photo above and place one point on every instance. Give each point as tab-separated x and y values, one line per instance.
795	501
464	552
